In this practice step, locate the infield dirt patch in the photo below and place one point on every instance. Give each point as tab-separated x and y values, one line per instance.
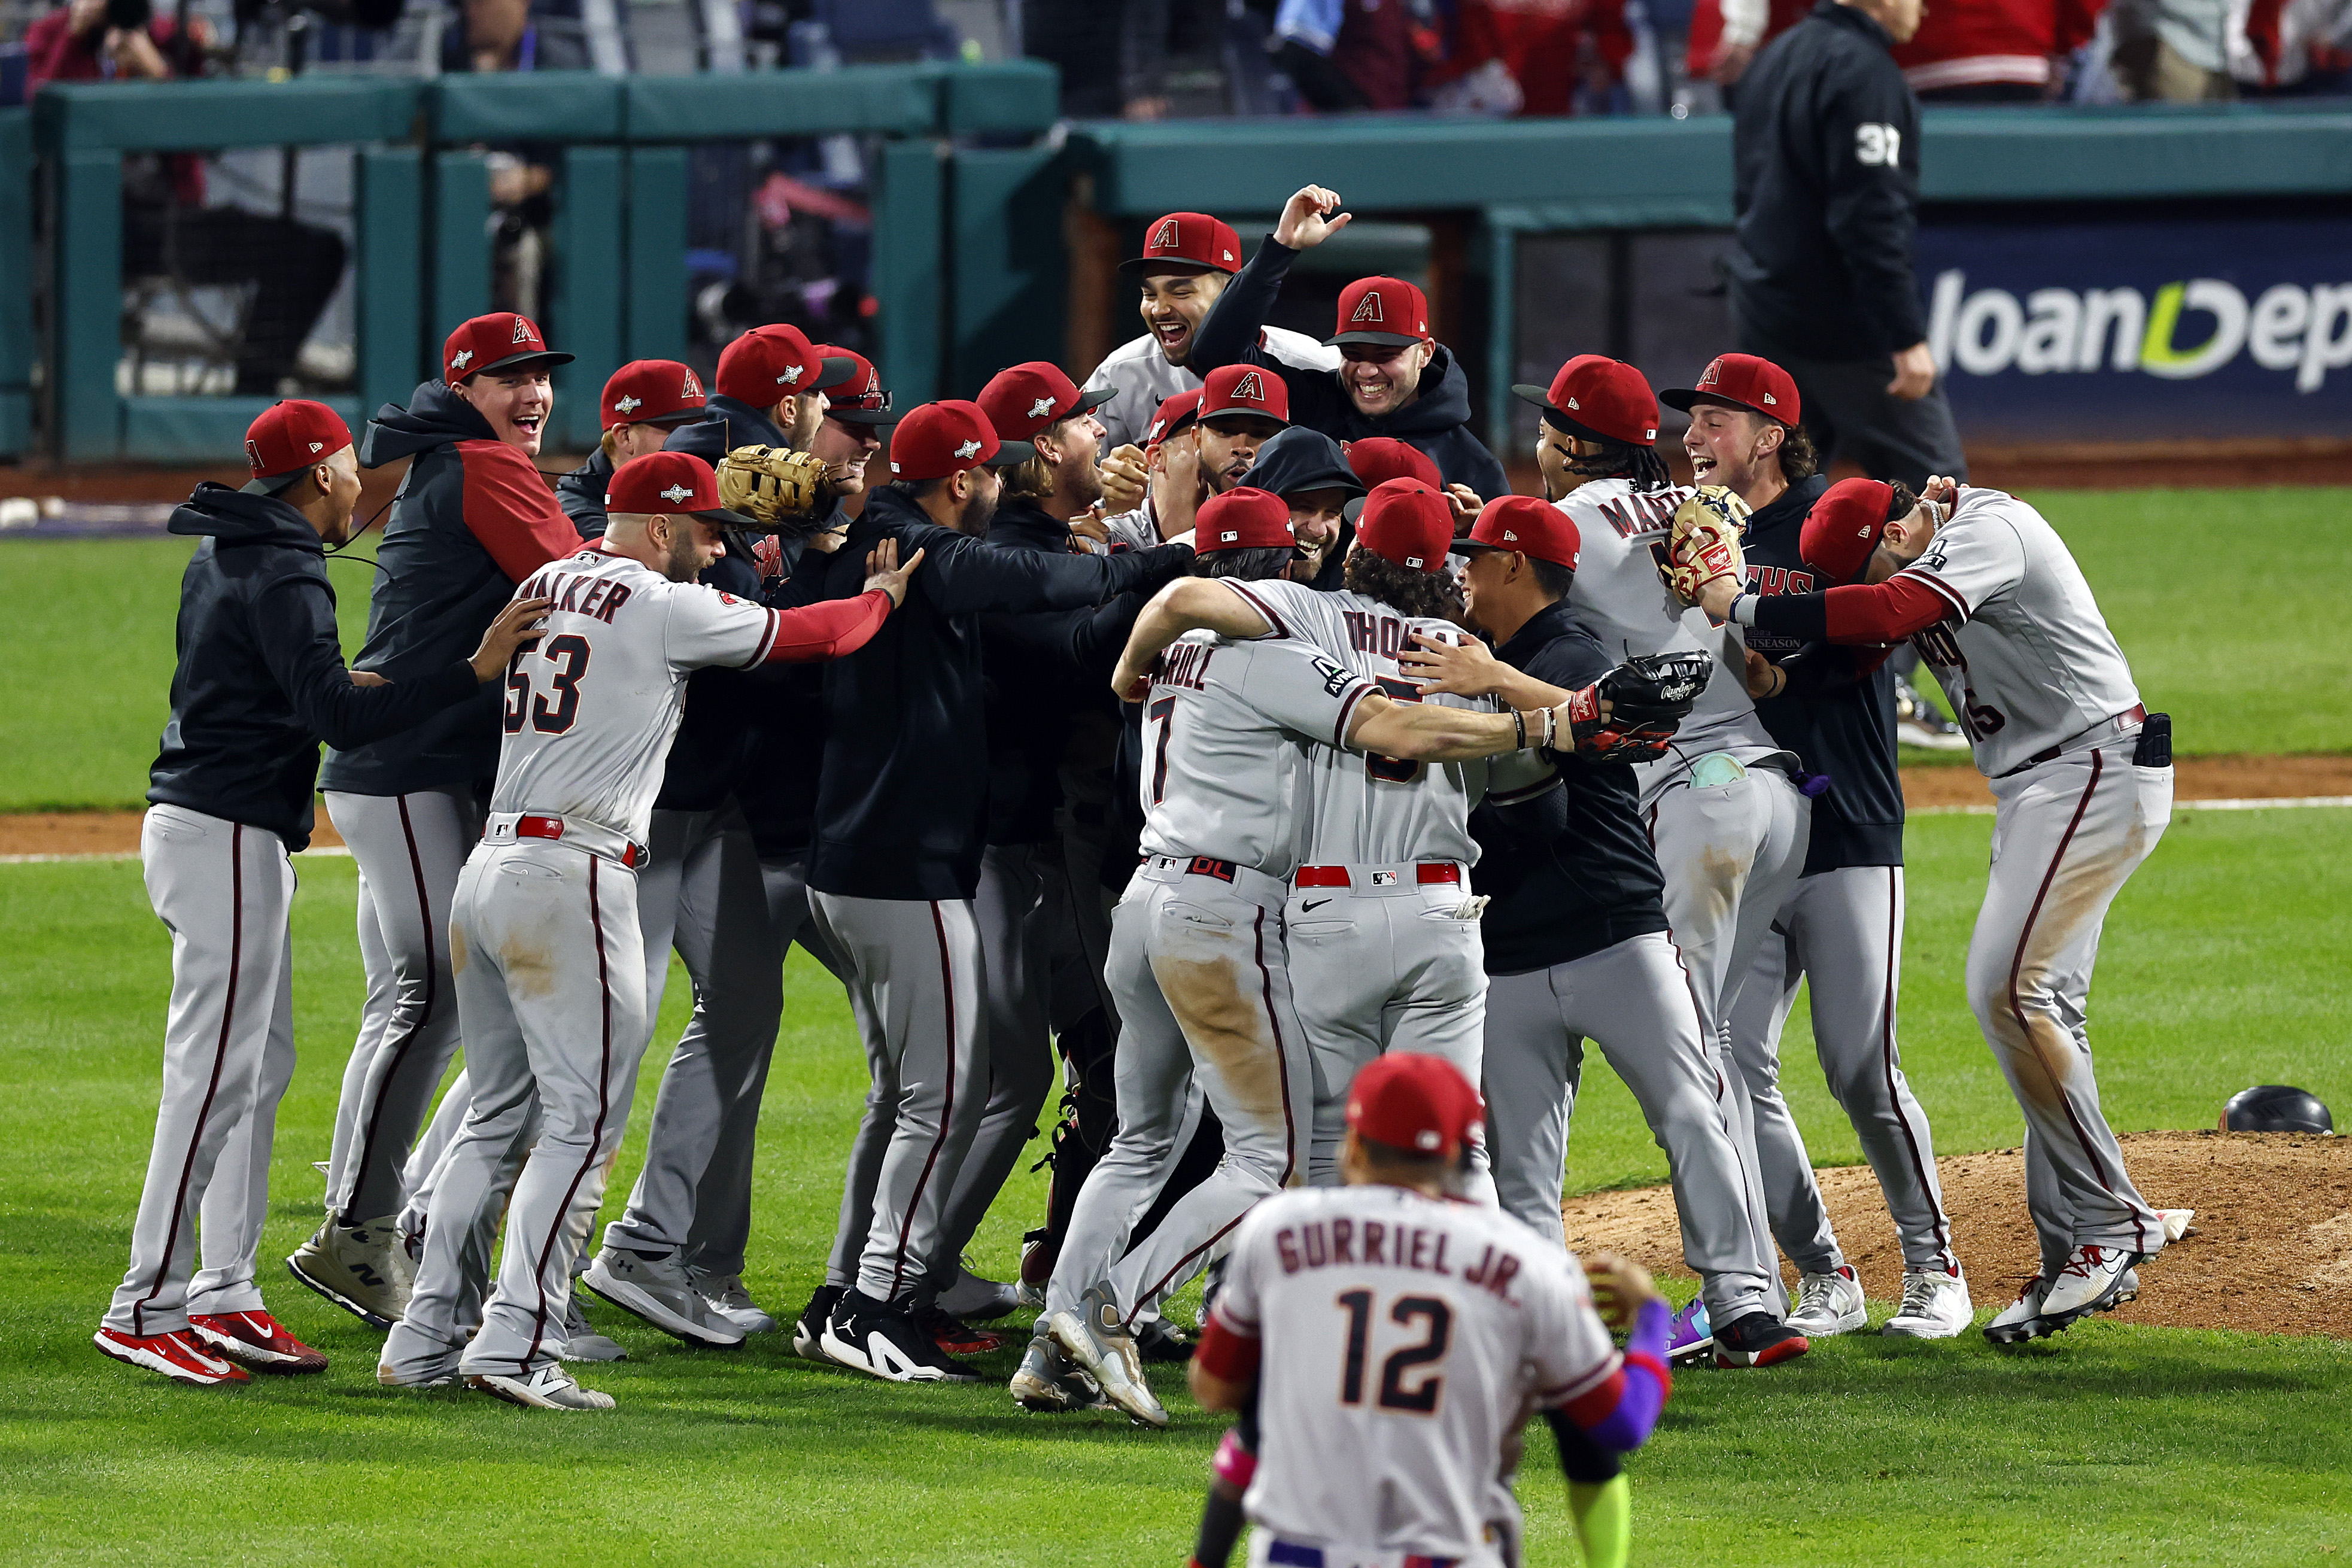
2269	1252
101	833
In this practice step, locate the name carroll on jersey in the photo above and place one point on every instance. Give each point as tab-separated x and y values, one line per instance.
1342	1243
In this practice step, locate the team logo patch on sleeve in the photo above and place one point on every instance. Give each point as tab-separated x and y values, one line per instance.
1335	680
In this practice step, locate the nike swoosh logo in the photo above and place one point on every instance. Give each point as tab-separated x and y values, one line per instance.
1312	905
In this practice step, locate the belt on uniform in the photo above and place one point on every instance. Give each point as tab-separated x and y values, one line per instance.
507	827
1247	880
1424	873
1299	1554
2136	715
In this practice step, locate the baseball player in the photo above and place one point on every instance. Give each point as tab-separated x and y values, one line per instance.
1578	947
2082	781
1414	1334
1172	481
1197	957
1310	472
1843	924
642	403
1188	258
551	968
769	392
472	518
900	829
1394	379
260	678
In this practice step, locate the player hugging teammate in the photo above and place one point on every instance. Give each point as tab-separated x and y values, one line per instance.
1272	768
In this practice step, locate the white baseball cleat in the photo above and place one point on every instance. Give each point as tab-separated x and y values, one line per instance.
1829	1304
2091	1282
881	1340
730	1303
549	1388
657	1290
808	1328
1935	1306
580	1340
363	1268
2022	1320
1095	1337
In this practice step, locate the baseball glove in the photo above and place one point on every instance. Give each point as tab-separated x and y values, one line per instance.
1648	697
1704	544
781	491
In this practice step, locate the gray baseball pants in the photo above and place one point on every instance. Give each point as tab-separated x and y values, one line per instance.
223	889
917	975
410	848
2066	836
1634	1002
1844	930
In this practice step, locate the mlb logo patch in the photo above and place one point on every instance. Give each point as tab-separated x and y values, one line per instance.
1384	878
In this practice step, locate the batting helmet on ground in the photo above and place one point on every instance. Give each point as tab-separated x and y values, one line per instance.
2275	1108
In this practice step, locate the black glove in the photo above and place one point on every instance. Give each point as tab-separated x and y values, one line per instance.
1648	697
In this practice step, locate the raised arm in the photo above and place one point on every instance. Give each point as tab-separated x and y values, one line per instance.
1231	329
1187	604
1887	612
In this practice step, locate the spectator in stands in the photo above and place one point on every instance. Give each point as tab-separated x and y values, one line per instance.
1995	51
2293	49
1349	54
1555	51
2173	51
503	36
167	230
1726	34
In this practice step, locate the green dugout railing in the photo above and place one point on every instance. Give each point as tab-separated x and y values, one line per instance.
618	287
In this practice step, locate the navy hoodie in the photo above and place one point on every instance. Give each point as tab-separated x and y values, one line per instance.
261	678
472	518
1437	421
902	804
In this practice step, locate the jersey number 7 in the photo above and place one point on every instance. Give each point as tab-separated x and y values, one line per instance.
571	651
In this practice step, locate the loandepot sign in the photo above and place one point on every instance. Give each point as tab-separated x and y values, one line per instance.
2210	327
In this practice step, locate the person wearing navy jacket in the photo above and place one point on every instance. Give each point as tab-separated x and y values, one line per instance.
902	822
260	679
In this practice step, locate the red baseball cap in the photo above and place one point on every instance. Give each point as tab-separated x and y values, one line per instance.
1741	381
1381	310
1379	459
1245	389
947	437
1032	397
289	439
1242	519
678	483
498	340
1844	526
1419	1104
1174	415
769	363
861	399
1527	525
1406	522
1189	240
651	392
1599	398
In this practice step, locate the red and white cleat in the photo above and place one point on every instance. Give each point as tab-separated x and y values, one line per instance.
176	1355
255	1339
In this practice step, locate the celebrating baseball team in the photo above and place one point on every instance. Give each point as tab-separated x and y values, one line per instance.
1220	747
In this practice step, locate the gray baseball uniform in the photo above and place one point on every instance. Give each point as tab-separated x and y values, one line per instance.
1197	963
1138	374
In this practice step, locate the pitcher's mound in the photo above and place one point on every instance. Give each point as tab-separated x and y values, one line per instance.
2269	1252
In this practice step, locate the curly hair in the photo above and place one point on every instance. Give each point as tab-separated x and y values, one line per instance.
1428	594
1799	458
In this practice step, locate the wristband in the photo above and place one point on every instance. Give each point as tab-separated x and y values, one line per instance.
1519	724
1742	609
1551	727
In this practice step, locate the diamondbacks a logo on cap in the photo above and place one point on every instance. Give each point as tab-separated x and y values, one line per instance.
1250	388
1041	407
1713	374
628	403
692	388
791	377
461	359
1164	236
522	332
253	454
969	450
1367	309
873	382
676	493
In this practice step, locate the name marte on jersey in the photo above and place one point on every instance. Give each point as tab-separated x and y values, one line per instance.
1341	1244
1643	512
602	596
1184	664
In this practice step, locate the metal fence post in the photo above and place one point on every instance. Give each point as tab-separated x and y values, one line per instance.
388	282
86	304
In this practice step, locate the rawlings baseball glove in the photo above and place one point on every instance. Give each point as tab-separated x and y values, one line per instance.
1704	544
1648	697
781	491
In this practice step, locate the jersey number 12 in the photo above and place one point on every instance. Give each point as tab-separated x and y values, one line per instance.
1406	1362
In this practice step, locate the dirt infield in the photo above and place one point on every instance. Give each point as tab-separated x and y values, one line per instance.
2269	1252
99	833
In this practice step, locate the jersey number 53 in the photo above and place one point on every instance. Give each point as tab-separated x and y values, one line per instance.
569	652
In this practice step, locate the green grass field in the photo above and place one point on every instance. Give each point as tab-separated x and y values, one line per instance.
2224	965
2213	594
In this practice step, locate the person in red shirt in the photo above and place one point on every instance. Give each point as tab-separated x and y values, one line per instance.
1995	51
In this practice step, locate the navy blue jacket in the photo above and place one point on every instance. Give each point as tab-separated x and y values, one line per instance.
1597	883
472	518
1836	716
902	804
725	425
261	678
1437	421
